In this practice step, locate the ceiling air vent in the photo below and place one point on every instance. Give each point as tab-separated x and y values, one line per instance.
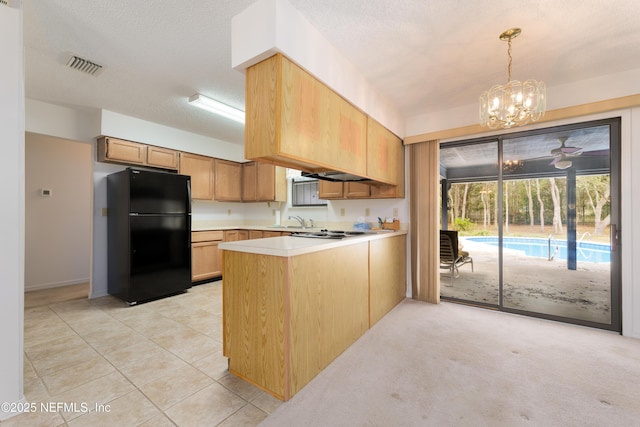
83	65
4	2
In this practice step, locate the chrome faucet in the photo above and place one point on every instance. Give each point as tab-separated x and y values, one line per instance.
299	219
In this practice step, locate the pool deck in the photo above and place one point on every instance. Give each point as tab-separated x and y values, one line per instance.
533	284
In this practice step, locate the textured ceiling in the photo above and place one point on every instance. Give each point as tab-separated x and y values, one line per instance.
423	55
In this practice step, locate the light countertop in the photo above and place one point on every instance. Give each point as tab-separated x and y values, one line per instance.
287	246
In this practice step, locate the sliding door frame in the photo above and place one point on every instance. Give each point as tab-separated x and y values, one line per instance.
614	124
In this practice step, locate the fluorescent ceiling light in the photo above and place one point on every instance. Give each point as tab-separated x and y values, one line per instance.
216	107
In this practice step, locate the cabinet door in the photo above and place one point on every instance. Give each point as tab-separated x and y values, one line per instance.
265	182
388	276
356	190
206	260
119	150
162	157
385	153
249	171
330	190
200	169
228	181
255	234
243	234
318	125
231	236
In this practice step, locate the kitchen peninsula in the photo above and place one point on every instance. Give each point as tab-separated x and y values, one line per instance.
291	305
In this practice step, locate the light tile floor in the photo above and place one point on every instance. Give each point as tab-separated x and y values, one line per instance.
154	364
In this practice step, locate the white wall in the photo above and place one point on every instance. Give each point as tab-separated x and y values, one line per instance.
270	26
12	212
57	228
133	129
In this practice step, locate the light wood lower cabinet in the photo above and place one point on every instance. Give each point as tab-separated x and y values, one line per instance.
286	318
255	234
388	275
206	257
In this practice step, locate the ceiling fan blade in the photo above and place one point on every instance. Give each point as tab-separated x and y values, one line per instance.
570	150
564	149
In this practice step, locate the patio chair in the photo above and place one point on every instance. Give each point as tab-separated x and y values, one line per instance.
451	258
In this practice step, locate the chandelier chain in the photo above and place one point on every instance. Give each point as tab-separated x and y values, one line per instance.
510	60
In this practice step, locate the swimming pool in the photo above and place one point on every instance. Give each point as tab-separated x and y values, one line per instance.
537	247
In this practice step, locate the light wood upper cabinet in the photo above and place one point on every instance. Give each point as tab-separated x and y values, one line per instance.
249	176
330	190
162	157
295	120
114	150
385	153
121	151
263	182
200	169
228	181
356	190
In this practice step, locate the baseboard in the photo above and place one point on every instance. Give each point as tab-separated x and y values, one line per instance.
42	286
12	409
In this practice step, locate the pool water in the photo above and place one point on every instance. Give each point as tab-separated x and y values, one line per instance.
536	247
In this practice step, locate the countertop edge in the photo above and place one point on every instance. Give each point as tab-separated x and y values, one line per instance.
287	246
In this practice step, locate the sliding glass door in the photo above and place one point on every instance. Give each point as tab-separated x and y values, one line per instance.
541	225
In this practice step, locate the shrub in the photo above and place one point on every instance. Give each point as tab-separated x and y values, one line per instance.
462	224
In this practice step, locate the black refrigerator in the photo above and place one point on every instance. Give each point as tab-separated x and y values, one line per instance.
149	234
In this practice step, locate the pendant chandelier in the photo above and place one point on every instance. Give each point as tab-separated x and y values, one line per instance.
515	103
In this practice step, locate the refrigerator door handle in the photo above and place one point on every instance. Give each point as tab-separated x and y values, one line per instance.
189	196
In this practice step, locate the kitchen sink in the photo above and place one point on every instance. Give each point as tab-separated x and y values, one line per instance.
329	234
293	227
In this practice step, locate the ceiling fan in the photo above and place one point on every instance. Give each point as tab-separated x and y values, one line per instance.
561	154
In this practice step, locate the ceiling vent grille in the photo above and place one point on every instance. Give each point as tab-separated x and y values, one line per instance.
83	65
4	2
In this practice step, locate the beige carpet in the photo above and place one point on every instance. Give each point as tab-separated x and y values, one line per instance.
454	365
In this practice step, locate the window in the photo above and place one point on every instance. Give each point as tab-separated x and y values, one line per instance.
304	192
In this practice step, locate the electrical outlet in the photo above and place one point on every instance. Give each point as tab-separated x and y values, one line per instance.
228	211
395	212
367	212
105	212
341	211
273	212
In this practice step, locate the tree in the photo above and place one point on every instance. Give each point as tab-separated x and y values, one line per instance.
527	185
598	188
464	200
485	197
557	207
541	203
